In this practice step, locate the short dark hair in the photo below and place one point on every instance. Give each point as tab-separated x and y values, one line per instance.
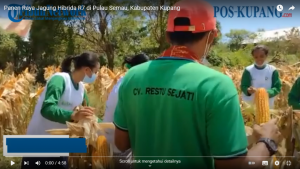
184	37
86	59
260	47
135	60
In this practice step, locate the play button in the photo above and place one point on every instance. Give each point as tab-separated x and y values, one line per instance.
12	163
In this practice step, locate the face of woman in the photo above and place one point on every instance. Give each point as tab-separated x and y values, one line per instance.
259	57
89	72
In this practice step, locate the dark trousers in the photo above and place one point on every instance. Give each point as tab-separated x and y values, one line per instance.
44	162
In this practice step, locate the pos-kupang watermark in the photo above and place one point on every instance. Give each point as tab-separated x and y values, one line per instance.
17	13
249	12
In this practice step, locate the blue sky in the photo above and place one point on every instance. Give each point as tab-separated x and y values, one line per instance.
251	24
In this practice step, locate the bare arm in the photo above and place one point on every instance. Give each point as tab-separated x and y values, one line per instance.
122	140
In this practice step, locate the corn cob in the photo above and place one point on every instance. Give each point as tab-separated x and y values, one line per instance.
101	154
262	115
261	101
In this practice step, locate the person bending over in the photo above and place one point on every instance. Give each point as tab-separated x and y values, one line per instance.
63	92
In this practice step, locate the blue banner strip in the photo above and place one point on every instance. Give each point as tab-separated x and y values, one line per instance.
46	145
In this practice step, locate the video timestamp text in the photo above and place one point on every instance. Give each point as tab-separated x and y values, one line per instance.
55	162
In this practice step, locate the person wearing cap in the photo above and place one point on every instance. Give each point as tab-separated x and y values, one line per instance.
111	104
260	75
174	112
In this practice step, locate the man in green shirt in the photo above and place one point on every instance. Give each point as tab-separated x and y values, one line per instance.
294	95
177	113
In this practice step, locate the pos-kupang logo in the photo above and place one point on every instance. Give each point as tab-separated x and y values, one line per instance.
247	12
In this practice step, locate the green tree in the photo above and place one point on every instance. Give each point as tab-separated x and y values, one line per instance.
156	26
7	47
13	50
219	37
236	37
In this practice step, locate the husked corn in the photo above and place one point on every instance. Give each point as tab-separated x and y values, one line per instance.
101	154
261	101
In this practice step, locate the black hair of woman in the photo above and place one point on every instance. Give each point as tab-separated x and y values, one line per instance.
135	60
86	59
260	47
86	66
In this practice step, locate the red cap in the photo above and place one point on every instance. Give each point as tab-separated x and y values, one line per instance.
200	13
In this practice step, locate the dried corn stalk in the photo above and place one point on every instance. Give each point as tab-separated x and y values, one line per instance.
13	91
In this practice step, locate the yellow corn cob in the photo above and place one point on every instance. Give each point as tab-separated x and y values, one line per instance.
261	101
262	115
100	155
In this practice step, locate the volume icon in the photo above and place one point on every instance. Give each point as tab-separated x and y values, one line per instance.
38	163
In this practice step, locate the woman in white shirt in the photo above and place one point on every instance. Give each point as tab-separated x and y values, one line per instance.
260	75
111	104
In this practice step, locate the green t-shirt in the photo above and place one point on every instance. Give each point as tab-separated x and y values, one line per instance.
50	109
294	95
180	110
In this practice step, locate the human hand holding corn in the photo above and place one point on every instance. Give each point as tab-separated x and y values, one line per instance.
82	112
267	130
251	90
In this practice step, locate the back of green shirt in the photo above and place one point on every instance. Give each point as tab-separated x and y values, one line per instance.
180	114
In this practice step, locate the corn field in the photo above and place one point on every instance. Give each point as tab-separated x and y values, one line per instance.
16	109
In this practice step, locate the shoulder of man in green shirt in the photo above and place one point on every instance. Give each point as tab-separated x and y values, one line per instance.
210	93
